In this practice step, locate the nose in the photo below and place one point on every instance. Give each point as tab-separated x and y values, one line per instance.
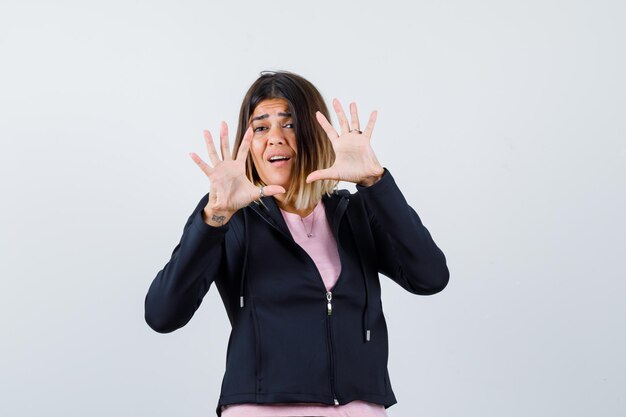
275	136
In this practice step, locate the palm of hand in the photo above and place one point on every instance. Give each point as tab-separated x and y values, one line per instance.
231	189
355	160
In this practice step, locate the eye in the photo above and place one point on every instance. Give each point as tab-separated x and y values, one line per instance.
288	125
258	129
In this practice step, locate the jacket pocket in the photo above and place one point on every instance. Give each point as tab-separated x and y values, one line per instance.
294	353
240	373
258	359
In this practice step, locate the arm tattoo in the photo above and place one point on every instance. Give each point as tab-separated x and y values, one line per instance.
218	219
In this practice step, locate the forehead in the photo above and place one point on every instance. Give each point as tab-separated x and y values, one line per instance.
271	106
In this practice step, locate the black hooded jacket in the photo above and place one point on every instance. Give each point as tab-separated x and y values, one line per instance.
291	340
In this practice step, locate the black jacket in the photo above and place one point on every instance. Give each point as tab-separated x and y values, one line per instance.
288	342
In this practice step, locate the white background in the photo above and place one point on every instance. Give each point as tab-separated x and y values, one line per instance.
502	121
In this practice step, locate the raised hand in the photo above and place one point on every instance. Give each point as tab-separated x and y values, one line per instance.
231	189
355	160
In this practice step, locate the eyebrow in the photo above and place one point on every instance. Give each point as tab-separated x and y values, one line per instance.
265	116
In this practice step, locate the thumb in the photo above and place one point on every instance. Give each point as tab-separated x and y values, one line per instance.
322	174
270	190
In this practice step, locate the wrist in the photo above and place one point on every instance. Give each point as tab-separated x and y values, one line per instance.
215	217
371	180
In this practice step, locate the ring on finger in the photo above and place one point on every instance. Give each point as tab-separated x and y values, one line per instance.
356	130
261	194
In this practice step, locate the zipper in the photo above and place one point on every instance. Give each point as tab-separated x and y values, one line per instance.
329	311
329	305
328	294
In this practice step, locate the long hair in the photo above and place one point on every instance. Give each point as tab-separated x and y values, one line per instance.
314	150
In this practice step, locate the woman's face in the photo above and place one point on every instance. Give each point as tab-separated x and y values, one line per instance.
273	145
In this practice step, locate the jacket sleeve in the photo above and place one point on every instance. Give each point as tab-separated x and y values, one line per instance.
405	251
177	291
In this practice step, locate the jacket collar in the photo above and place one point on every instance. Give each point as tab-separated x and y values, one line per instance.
335	206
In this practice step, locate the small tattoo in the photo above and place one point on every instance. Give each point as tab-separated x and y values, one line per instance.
218	219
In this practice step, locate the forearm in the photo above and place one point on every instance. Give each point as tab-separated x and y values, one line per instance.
178	289
405	249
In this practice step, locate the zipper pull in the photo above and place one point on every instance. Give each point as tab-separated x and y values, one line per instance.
329	306
336	401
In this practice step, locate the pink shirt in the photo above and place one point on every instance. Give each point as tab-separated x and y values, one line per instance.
313	234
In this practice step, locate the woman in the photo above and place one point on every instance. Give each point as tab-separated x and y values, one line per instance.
296	262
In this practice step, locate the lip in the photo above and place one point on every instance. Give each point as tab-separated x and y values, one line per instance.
273	154
281	162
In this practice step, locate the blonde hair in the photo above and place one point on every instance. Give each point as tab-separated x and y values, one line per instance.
314	150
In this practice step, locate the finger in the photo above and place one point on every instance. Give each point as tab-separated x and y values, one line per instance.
354	117
225	147
244	147
210	147
341	116
203	165
270	190
328	128
370	124
322	174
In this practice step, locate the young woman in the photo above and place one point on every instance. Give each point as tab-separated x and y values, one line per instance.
295	261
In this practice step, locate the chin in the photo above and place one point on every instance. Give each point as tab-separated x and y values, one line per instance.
283	179
283	183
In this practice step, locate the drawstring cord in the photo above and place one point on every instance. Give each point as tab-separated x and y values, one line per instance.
245	258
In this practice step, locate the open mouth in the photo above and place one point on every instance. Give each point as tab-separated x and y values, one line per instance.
279	158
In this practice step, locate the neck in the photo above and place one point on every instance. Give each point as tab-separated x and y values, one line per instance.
280	200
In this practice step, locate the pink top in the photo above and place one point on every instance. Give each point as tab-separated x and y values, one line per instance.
313	234
353	409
